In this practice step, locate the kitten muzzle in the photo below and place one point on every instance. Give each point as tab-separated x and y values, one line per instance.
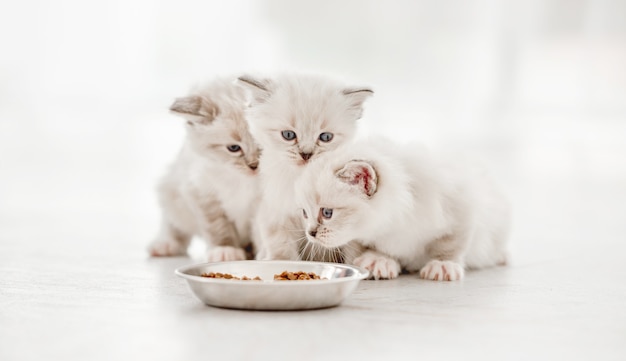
253	165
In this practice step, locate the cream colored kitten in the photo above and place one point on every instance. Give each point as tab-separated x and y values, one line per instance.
296	119
211	190
399	207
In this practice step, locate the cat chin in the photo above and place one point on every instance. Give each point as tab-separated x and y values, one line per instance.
301	162
249	172
298	162
315	242
322	244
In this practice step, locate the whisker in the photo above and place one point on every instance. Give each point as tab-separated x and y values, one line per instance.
316	255
315	252
350	251
312	251
303	251
322	253
300	254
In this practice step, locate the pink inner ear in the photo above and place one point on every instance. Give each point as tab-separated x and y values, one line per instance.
363	177
355	173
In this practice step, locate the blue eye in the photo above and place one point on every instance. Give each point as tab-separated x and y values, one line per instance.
288	134
233	148
326	212
326	137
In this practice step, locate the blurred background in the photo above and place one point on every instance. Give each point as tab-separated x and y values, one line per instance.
536	88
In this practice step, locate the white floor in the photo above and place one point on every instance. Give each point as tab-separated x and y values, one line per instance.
76	283
535	88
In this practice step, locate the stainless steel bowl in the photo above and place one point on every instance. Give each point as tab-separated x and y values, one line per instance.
341	280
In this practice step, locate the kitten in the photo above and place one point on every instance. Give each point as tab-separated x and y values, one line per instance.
296	119
392	207
211	189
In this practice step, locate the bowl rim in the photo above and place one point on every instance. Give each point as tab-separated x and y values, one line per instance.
361	273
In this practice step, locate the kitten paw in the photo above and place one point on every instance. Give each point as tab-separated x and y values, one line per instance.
380	266
442	271
166	248
225	253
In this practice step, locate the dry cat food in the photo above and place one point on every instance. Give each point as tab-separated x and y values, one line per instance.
228	276
296	276
285	276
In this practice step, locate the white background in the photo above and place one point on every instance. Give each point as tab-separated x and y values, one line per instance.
536	88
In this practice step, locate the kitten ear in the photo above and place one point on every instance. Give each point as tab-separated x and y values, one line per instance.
261	89
360	174
195	109
356	97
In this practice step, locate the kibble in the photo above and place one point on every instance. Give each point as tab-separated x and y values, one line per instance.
228	276
284	276
296	276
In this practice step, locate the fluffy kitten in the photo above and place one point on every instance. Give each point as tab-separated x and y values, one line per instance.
398	207
211	189
295	118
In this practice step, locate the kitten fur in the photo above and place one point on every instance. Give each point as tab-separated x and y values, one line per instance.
308	106
210	190
399	207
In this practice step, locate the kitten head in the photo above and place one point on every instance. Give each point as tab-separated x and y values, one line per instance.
216	125
300	117
336	200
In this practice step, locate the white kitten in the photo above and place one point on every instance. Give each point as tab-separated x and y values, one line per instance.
295	118
391	207
211	190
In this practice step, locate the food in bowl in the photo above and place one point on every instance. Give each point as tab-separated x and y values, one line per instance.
228	276
284	276
297	276
337	282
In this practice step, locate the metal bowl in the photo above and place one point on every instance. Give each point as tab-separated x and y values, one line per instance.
341	280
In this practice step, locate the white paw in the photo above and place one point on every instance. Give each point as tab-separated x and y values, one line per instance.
380	266
225	253
442	271
166	248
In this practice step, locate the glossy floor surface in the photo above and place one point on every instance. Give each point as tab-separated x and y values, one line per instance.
538	92
76	282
